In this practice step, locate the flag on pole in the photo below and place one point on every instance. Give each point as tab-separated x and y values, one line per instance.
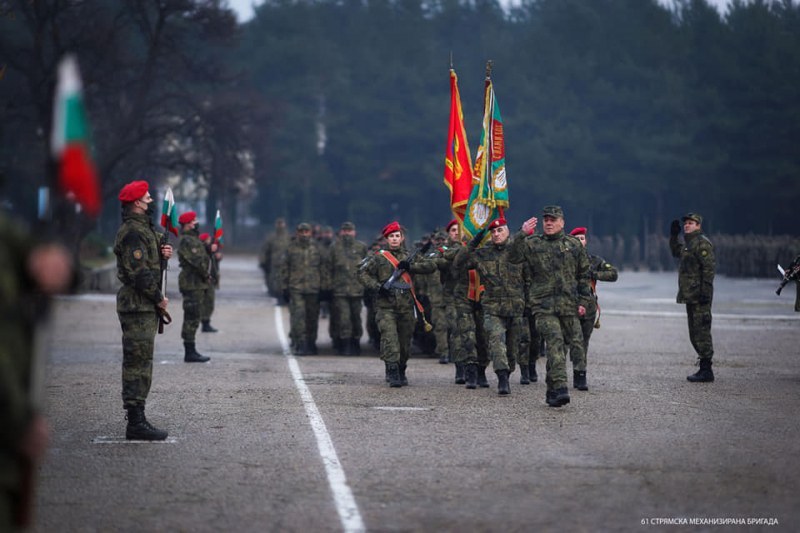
69	140
218	228
489	195
457	164
169	215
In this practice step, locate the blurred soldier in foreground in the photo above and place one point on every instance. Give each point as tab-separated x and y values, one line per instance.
272	253
599	270
209	295
27	272
346	255
559	292
696	287
194	281
394	304
139	249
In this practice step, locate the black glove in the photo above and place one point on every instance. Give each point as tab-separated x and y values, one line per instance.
383	291
325	296
477	239
404	265
675	228
286	295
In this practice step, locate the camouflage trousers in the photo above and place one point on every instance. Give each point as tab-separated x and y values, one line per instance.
468	338
441	327
372	324
534	341
699	317
138	342
503	335
558	332
192	310
396	327
347	310
578	353
303	316
207	306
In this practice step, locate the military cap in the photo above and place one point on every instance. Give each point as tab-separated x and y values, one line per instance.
391	227
348	225
187	217
496	223
133	191
204	236
578	231
553	211
304	226
692	216
450	224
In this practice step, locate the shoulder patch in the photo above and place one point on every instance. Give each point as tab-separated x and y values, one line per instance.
704	252
137	254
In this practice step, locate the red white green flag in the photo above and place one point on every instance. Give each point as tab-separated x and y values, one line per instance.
169	215
218	228
457	163
69	142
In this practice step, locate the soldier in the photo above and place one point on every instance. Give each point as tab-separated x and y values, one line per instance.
696	287
797	286
303	275
369	302
503	299
559	269
28	271
437	299
272	253
193	283
395	305
599	270
346	255
209	295
139	249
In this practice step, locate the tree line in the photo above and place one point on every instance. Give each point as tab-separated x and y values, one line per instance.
626	112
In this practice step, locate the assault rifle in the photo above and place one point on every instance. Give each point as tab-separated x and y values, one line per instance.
164	319
792	273
392	282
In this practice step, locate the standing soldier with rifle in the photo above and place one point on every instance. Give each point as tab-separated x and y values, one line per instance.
140	301
193	282
389	273
209	295
791	274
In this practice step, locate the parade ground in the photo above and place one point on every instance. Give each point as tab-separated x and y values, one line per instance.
260	440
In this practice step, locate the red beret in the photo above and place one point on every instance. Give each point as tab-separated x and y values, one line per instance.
204	236
133	191
187	217
391	227
450	224
578	231
496	223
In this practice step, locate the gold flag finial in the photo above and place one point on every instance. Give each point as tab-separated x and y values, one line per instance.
489	64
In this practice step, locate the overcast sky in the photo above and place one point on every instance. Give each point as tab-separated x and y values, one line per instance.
244	8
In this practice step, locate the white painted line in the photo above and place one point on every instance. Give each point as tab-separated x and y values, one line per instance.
390	408
342	495
123	440
676	314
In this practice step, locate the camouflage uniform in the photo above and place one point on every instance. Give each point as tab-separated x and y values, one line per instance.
696	288
303	275
395	310
209	295
599	270
193	280
438	308
137	248
346	255
272	253
559	268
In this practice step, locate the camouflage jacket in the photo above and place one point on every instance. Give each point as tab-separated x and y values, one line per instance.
559	270
137	248
194	262
696	268
599	270
304	268
273	251
376	269
447	273
504	293
346	255
430	285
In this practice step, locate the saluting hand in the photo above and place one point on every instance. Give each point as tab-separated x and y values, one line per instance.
529	226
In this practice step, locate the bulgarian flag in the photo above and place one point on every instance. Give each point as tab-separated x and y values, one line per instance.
169	215
218	228
457	164
489	195
69	143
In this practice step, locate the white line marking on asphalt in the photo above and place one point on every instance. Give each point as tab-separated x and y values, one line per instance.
390	408
676	314
123	440
342	495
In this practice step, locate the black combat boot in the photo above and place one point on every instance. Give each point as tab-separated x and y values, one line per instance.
534	377
503	386
444	358
208	328
301	348
312	347
355	346
393	374
482	381
704	375
579	380
524	374
402	371
557	397
139	428
191	355
460	378
386	370
471	375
